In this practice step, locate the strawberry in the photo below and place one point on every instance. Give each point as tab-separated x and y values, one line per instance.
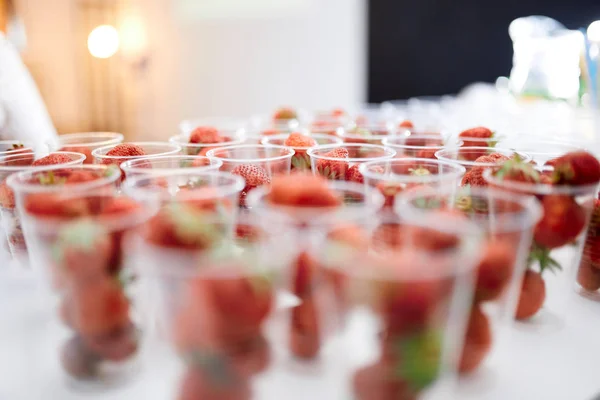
474	177
562	222
200	162
427	153
51	205
478	133
77	360
478	341
302	190
52	159
588	276
494	270
183	226
333	169
254	176
205	135
517	171
85	150
353	175
213	381
533	295
116	346
380	381
406	124
296	139
124	150
98	307
576	168
389	190
119	205
81	176
7	196
284	114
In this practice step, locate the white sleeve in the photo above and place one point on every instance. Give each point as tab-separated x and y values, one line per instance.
23	114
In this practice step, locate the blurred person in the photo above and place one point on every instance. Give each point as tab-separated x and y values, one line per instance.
23	114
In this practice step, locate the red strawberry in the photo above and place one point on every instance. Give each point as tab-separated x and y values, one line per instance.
52	159
98	307
201	162
50	205
85	150
254	176
205	134
478	341
381	382
477	133
125	150
427	153
517	171
119	205
588	276
592	250
389	190
80	176
494	270
474	177
576	168
302	190
297	139
7	196
353	175
533	295
406	124
562	222
285	113
333	169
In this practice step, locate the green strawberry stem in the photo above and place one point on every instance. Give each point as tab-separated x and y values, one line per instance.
419	358
541	255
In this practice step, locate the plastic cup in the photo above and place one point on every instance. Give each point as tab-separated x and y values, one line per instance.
466	157
322	162
166	164
257	164
300	160
9	217
404	310
221	123
541	150
87	142
225	314
151	149
506	222
417	145
14	147
229	137
556	249
93	340
369	134
397	175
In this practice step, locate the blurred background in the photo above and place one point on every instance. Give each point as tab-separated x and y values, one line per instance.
141	66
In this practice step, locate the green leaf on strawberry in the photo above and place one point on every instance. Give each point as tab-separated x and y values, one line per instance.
541	255
192	224
420	171
419	358
301	161
517	165
50	179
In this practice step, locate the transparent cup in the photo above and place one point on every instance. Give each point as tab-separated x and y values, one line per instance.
404	309
324	163
225	313
506	222
556	249
165	164
93	340
257	164
397	175
300	160
14	147
466	157
229	137
542	150
86	142
221	123
417	145
369	134
151	149
9	217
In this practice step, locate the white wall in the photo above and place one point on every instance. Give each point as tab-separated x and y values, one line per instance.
211	61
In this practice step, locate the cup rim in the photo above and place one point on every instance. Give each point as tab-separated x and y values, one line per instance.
457	170
109	138
234	186
17	180
186	126
98	152
27	147
540	188
441	156
78	160
182	140
390	153
527	218
289	155
386	142
129	165
282	136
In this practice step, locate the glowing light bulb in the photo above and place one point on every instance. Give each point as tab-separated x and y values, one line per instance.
103	41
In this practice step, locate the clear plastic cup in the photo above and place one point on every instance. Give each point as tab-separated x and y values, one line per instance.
369	134
165	164
417	145
93	340
466	157
229	137
225	314
257	164
9	217
14	147
300	160
221	123
404	310
541	150
506	222
86	142
151	149
397	175
556	249
324	163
